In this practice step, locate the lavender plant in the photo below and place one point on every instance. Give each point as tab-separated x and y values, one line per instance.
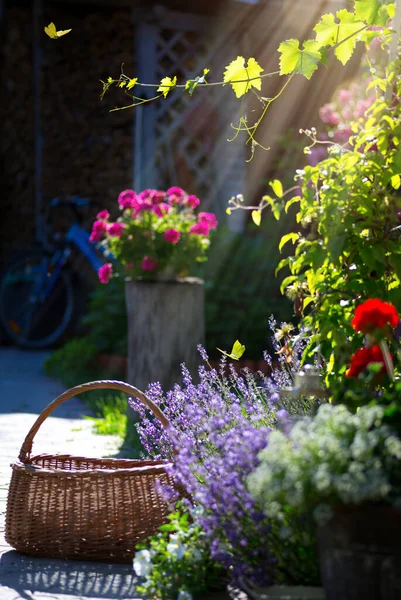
218	428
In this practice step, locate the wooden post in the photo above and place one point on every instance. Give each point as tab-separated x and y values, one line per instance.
165	324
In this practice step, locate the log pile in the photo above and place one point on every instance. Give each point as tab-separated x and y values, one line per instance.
87	150
17	132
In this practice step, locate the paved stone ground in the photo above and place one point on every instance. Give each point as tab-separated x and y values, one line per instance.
24	392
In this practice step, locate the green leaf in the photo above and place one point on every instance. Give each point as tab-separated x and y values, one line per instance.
241	77
295	60
291	202
277	188
286	282
396	181
256	217
237	351
332	33
276	208
132	82
371	11
289	237
166	85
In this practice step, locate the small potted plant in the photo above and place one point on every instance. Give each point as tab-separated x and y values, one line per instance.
156	242
344	465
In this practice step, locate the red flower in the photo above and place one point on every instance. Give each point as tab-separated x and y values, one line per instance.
374	314
362	358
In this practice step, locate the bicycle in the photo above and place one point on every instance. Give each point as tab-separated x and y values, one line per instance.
38	295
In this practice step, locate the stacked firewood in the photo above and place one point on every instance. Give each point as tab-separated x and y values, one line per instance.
17	132
87	150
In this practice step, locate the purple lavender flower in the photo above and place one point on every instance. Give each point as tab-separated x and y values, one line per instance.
217	429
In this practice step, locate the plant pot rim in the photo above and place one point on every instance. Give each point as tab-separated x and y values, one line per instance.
166	280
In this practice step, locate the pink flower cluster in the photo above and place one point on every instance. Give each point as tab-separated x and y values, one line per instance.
175	204
206	222
156	201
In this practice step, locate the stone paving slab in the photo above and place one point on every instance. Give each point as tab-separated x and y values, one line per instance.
24	391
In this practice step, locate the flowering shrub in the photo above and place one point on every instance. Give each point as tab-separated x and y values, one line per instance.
335	457
348	249
217	429
374	314
157	233
176	562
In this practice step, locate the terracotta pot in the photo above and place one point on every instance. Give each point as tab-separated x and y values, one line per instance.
112	366
360	553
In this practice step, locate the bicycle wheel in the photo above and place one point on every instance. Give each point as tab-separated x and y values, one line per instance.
36	301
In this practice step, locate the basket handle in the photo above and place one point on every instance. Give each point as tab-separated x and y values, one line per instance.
26	447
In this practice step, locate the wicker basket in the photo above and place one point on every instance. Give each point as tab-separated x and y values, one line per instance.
84	508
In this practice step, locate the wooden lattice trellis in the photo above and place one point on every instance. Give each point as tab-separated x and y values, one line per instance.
184	139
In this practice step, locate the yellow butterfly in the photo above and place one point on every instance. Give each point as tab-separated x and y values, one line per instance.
237	351
53	33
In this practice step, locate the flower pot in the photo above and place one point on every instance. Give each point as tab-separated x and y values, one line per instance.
360	553
165	325
112	365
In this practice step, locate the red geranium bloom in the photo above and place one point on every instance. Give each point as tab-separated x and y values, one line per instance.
374	314
362	358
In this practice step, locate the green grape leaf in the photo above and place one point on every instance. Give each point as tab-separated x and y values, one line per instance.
242	77
132	83
330	33
237	351
256	217
166	85
192	84
371	11
295	60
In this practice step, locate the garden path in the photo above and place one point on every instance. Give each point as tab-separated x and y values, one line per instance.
24	391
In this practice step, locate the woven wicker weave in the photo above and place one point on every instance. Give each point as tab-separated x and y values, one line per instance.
84	508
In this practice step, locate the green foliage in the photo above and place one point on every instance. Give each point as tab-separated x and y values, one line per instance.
111	414
338	32
241	289
334	458
107	318
177	559
303	61
71	362
349	249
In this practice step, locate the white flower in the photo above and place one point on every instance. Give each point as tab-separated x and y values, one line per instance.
143	563
175	547
196	512
196	555
184	595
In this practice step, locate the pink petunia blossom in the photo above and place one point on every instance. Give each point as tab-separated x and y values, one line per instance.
200	229
161	209
127	199
98	229
105	272
176	191
172	235
209	219
329	116
129	266
149	263
103	215
147	194
159	196
116	229
192	201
